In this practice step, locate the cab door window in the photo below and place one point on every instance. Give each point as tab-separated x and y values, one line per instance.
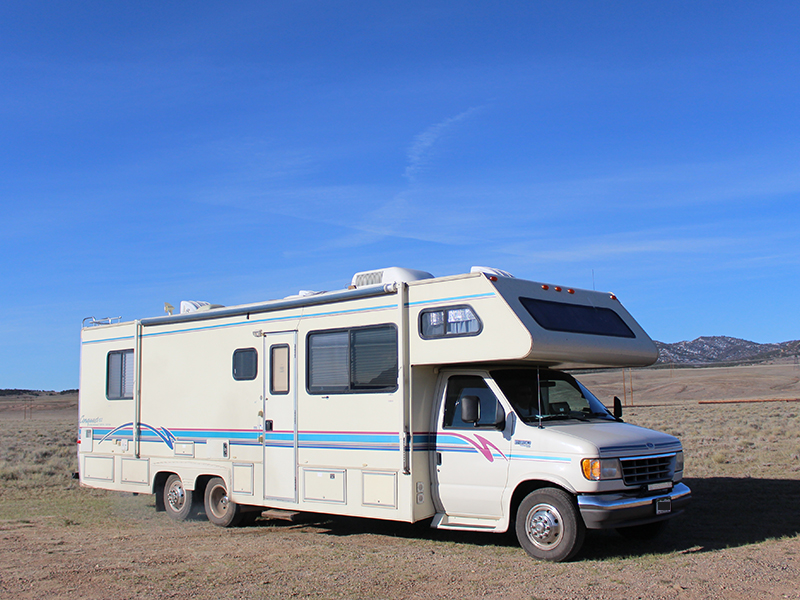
491	412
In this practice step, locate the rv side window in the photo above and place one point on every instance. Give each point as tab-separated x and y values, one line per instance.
576	318
353	360
119	375
458	386
279	369
449	322
245	364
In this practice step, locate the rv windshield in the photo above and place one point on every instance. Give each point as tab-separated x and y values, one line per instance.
562	396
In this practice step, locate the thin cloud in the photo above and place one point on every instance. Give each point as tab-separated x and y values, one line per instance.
420	150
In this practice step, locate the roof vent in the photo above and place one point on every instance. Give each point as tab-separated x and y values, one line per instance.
388	275
491	271
188	306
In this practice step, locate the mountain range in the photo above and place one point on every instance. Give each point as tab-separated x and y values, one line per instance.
722	349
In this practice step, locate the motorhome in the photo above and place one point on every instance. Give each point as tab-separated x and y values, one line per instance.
405	397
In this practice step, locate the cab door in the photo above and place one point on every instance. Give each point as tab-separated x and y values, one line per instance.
472	458
280	416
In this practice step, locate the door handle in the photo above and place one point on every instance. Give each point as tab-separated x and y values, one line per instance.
268	425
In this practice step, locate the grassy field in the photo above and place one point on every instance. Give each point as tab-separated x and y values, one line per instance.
739	538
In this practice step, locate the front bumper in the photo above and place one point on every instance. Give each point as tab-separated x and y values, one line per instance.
625	509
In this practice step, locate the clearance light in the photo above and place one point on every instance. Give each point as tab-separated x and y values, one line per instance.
558	289
612	296
545	287
492	278
596	469
570	291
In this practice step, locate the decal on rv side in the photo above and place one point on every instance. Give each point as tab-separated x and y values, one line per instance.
484	447
164	434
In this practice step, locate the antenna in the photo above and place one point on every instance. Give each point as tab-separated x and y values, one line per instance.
168	308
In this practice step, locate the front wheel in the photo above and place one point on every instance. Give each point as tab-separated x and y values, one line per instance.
220	509
549	526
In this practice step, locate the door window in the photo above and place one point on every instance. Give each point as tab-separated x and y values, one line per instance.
491	412
279	369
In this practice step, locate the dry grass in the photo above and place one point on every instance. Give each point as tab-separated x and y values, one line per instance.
739	538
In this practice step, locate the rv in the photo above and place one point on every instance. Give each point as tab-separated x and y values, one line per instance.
404	397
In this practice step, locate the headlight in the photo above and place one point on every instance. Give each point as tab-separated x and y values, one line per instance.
679	461
596	469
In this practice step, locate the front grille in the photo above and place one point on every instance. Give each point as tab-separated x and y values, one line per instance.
647	469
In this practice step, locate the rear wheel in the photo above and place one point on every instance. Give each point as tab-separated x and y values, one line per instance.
220	509
177	499
549	526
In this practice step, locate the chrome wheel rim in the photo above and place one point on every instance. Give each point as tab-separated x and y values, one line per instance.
544	526
176	496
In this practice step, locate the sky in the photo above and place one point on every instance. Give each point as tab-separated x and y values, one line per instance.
238	152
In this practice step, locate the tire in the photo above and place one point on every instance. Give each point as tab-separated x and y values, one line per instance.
549	526
220	509
178	500
647	531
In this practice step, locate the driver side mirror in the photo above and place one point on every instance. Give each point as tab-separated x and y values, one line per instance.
470	409
617	408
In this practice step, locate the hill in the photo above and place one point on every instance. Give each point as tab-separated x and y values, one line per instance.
721	349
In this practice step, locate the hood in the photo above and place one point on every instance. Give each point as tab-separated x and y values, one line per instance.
614	439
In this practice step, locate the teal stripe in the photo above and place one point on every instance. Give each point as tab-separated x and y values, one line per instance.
451	299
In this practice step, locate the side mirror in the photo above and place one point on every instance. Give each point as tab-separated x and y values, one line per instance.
500	418
617	408
470	409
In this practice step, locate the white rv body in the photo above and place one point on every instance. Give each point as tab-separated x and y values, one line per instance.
335	402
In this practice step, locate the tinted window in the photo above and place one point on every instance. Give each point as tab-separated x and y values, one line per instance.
576	318
245	364
363	359
558	394
119	375
458	386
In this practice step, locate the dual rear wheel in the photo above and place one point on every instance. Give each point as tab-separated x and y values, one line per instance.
179	503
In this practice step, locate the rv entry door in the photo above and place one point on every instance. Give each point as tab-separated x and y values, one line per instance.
280	416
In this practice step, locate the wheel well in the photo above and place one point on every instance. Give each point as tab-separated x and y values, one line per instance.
200	485
158	489
525	488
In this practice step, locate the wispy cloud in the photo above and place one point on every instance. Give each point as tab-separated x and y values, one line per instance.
420	151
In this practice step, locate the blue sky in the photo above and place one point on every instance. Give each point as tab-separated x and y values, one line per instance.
238	152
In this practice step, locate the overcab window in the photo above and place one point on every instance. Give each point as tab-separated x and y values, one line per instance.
452	321
576	318
353	360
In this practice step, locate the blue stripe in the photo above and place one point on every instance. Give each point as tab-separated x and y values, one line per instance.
116	339
452	298
540	458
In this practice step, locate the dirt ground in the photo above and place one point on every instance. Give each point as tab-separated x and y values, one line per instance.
738	539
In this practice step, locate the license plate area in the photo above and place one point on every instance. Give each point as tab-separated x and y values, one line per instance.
663	506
